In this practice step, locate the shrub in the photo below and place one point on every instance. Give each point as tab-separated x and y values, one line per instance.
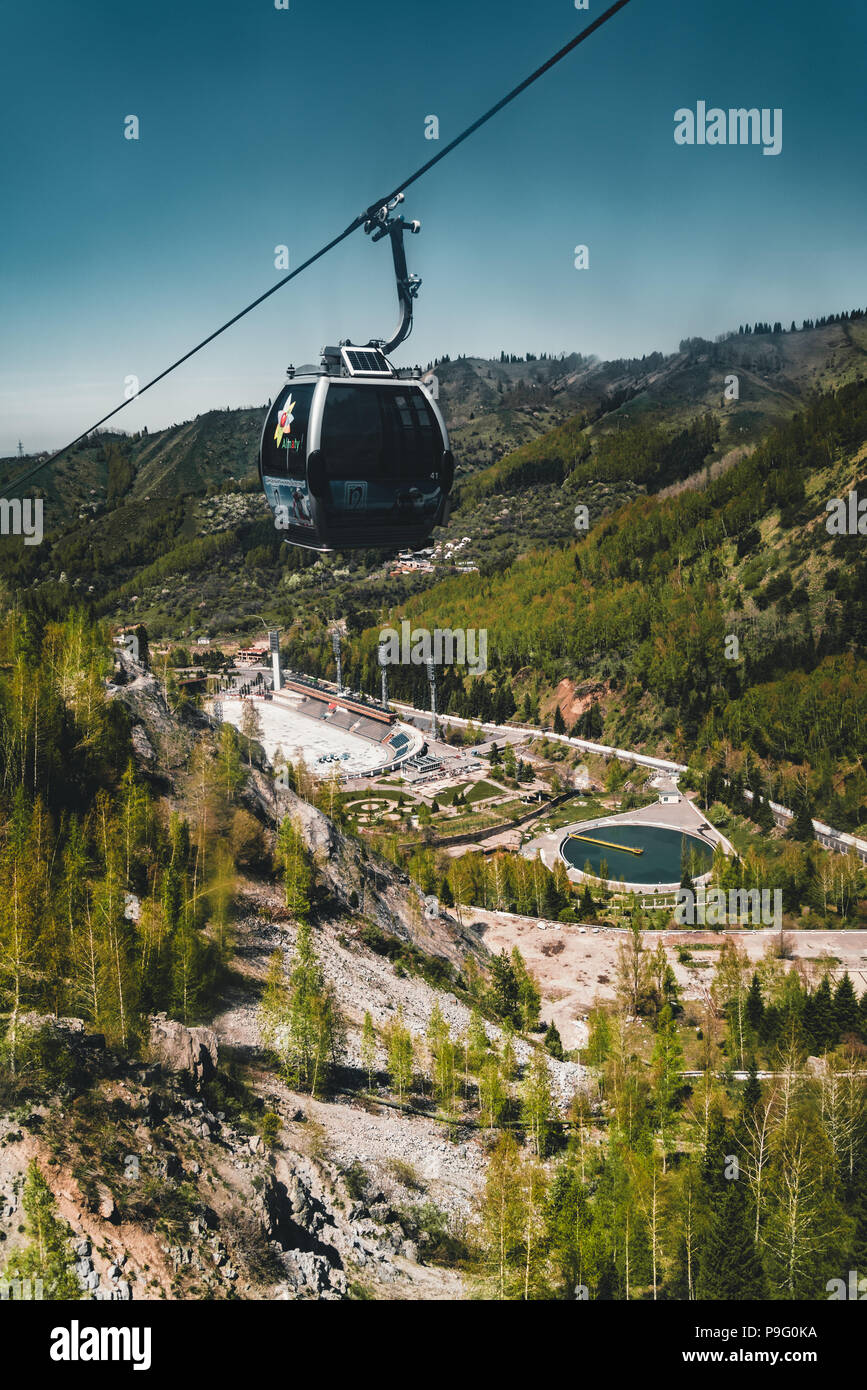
357	1180
269	1128
405	1174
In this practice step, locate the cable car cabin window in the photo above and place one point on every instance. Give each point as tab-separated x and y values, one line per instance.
379	433
416	441
284	444
352	433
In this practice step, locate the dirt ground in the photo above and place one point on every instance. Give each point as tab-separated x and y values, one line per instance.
574	969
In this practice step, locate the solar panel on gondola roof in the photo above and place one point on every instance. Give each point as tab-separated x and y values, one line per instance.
367	361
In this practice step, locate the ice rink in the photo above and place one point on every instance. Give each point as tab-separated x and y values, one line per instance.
309	739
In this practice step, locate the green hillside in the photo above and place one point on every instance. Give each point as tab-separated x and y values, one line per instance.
170	527
636	617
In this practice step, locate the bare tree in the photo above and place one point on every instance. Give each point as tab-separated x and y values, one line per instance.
632	968
757	1152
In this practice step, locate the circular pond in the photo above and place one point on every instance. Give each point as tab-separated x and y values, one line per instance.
659	860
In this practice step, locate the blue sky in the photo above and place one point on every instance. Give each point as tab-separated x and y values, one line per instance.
261	127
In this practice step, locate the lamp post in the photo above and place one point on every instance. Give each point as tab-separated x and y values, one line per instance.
383	663
335	642
432	678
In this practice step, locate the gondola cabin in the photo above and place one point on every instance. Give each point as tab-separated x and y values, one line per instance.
355	453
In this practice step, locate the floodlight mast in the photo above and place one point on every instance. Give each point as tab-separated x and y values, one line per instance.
335	642
408	285
432	678
383	662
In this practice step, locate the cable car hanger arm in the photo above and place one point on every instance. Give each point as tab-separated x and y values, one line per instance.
408	286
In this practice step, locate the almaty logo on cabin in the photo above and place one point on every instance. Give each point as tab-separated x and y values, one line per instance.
284	421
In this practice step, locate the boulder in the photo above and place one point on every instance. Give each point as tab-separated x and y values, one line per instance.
817	1066
106	1206
181	1049
141	744
307	1270
72	1032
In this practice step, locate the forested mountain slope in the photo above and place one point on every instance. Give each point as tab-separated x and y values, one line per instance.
170	527
640	613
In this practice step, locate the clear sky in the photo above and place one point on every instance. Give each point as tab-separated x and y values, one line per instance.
260	127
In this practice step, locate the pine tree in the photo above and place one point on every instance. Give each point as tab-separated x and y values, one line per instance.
508	1056
118	992
801	827
571	1237
537	1102
20	917
493	1095
729	1265
667	1063
48	1255
188	965
752	1092
685	1212
599	1039
501	1221
846	1014
820	1018
401	1054
762	814
302	1022
503	993
297	874
534	1185
442	1055
251	727
477	1041
231	770
632	968
553	1042
754	1007
529	994
274	1004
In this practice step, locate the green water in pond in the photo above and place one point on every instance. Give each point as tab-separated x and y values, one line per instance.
660	862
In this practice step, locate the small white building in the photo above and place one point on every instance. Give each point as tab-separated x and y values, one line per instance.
667	792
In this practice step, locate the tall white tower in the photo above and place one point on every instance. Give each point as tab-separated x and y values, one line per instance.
274	644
